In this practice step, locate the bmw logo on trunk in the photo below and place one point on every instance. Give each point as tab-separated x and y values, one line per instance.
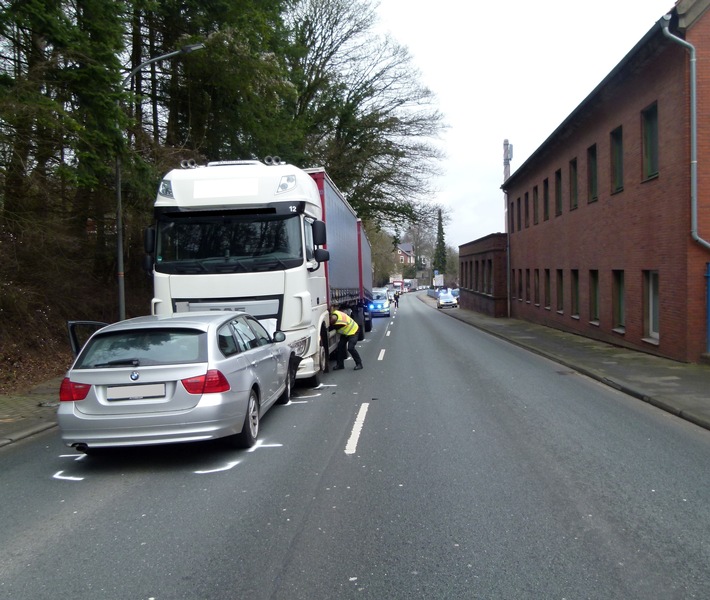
134	376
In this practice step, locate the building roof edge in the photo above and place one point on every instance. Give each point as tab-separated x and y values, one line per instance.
655	30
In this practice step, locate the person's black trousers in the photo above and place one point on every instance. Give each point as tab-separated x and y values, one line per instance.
346	344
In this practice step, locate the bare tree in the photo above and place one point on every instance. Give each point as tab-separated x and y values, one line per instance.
367	118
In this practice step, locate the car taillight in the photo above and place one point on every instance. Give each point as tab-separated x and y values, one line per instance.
70	391
212	382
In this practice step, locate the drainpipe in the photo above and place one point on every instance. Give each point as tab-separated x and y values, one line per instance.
507	155
665	23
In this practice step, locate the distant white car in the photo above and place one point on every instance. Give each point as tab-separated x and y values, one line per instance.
446	299
174	378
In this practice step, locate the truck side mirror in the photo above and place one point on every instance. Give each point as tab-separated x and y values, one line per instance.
319	235
148	264
149	240
321	255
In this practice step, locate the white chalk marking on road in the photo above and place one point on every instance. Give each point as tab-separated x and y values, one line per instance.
387	334
58	475
351	446
227	467
260	444
382	354
74	456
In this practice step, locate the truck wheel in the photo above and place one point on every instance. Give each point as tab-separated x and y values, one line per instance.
323	364
285	397
359	317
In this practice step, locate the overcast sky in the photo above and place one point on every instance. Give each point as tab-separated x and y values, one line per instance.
511	70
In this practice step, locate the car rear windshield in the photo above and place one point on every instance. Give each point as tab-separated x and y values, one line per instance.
144	347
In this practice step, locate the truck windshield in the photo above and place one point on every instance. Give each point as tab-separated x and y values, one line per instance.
189	243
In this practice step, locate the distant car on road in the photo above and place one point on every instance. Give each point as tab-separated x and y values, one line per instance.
380	303
446	299
174	378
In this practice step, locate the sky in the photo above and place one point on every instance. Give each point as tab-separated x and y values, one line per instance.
507	70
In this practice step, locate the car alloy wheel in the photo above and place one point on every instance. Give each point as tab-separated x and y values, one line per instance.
250	429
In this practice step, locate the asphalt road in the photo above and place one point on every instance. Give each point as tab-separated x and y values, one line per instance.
454	465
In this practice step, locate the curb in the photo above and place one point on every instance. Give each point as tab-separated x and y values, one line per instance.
25	433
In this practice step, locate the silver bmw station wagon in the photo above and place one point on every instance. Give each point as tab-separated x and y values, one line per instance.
184	377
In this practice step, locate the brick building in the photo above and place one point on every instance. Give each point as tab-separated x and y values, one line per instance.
607	237
482	275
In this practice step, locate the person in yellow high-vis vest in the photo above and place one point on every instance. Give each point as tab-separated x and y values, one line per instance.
347	329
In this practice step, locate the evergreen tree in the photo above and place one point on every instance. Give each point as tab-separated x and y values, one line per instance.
438	262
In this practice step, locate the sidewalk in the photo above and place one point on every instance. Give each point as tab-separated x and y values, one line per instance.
23	415
681	389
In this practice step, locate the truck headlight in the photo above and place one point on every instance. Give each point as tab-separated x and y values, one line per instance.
300	347
166	188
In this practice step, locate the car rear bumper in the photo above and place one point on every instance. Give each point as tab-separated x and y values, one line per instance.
204	422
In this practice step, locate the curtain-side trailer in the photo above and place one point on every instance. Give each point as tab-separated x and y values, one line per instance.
349	270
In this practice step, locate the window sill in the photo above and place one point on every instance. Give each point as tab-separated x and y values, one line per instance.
594	323
619	330
651	341
575	317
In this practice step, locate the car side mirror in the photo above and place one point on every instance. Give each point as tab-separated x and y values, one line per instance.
279	336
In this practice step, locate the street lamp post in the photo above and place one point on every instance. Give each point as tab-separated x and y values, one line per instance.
119	207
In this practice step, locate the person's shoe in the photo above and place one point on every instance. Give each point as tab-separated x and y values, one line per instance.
357	367
338	367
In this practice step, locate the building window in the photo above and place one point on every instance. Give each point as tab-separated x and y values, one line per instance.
617	294
520	220
594	296
536	287
649	123
617	160
547	289
489	270
512	284
546	200
527	211
558	192
592	194
573	184
560	292
527	285
511	219
401	259
651	307
520	284
536	208
574	290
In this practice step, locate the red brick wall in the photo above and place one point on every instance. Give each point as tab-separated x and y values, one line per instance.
644	227
489	250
